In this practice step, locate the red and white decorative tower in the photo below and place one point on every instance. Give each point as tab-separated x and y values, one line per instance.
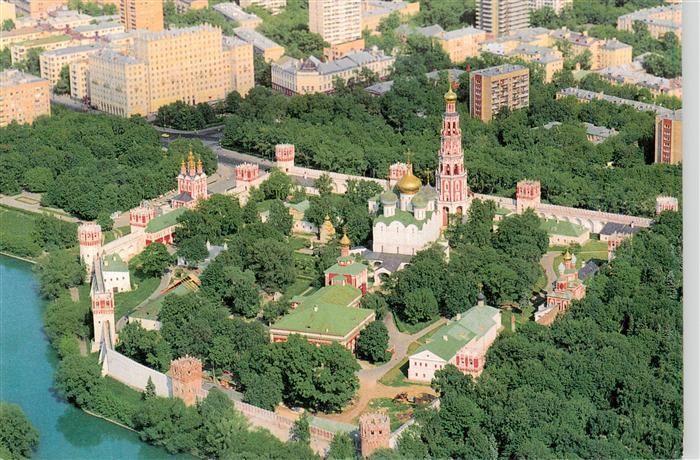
527	195
191	183
666	203
284	156
90	239
140	216
186	375
451	177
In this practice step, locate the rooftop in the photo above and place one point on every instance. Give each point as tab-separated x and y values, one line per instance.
235	12
114	263
404	217
164	220
255	38
354	268
452	337
499	70
612	228
72	50
46	40
326	311
13	77
641	106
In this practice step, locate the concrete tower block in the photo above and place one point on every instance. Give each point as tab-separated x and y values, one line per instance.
375	432
90	240
527	195
666	203
186	373
284	156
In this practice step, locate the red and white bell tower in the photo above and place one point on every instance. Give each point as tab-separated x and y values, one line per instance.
451	177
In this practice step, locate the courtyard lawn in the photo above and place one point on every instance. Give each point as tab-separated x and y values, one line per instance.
125	302
592	250
301	284
16	229
397	375
412	328
298	243
520	318
398	412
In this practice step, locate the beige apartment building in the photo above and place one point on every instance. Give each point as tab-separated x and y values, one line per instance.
270	50
458	44
19	51
79	85
7	11
53	61
659	20
274	6
141	14
23	97
26	34
183	6
293	76
669	137
193	65
556	5
339	22
494	88
604	53
374	11
38	8
499	17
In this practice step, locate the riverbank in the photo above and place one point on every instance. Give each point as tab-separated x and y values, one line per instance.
14	256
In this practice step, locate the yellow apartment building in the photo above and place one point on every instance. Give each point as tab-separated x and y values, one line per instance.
23	97
52	62
141	14
494	88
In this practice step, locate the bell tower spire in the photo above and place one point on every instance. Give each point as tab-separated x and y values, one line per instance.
451	177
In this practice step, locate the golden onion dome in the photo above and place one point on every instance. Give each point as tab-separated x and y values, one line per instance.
345	241
450	96
567	256
409	184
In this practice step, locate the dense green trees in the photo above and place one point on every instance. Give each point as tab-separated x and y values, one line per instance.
59	271
18	437
604	380
373	343
300	374
153	260
52	233
145	347
195	17
97	162
179	115
63	85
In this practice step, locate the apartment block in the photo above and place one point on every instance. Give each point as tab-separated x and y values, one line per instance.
19	51
668	146
183	6
25	34
293	76
7	11
53	61
499	17
274	6
79	80
38	8
235	13
23	97
339	22
659	20
635	74
458	44
141	14
374	11
193	65
238	56
604	53
67	19
494	88
101	29
556	5
270	50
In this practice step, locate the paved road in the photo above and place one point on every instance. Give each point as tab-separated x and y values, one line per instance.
164	283
547	263
12	202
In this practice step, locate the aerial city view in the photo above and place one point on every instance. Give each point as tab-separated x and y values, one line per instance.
343	229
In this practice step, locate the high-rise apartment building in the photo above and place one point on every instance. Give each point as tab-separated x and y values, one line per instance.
669	138
499	17
38	8
193	65
141	14
23	97
494	88
339	22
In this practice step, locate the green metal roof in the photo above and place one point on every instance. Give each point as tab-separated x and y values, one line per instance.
352	269
406	218
46	40
164	220
389	197
449	339
327	311
114	263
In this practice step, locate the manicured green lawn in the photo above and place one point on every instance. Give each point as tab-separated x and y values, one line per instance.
300	285
592	250
412	328
398	412
127	301
121	391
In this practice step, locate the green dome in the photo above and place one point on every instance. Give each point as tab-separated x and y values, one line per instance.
419	201
388	198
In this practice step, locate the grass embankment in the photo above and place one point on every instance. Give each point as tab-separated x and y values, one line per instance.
126	302
16	233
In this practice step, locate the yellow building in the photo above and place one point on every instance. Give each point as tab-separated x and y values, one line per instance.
458	44
25	34
19	51
79	87
556	5
270	50
604	53
339	23
53	61
192	65
495	88
274	6
7	11
141	14
292	76
659	20
549	59
374	11
38	8
238	56
183	6
23	97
